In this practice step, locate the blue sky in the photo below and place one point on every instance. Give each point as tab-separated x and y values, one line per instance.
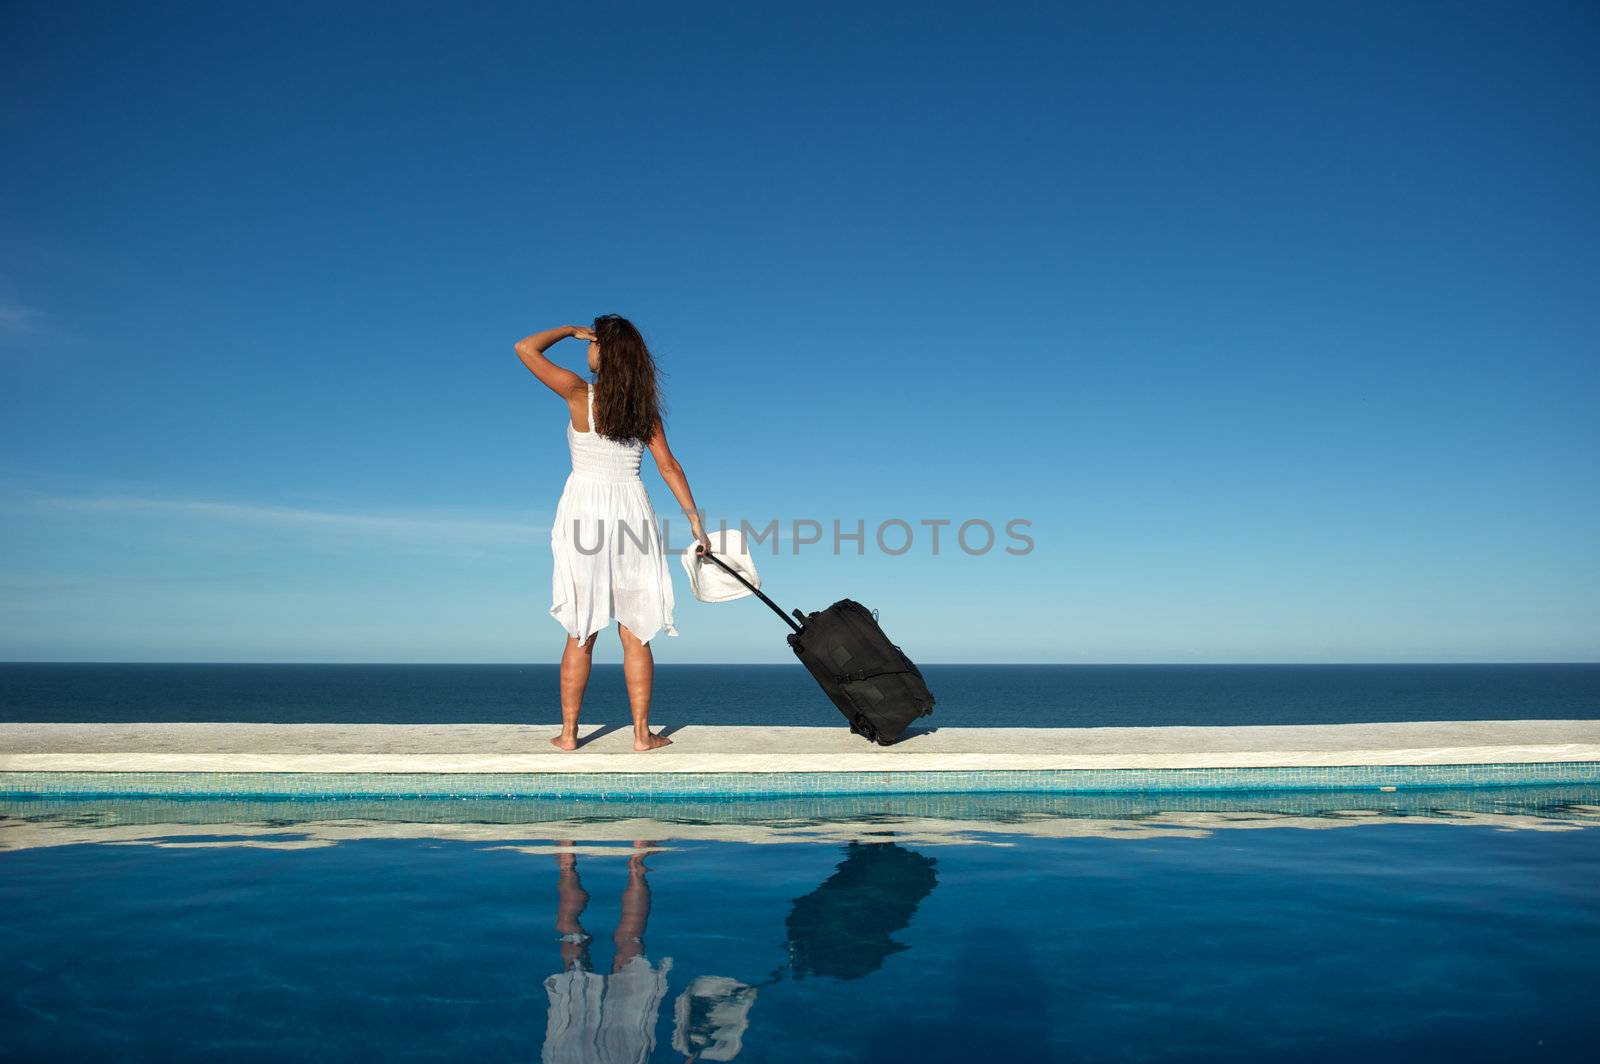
1278	321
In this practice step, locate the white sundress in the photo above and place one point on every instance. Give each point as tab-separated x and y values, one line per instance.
604	1019
610	563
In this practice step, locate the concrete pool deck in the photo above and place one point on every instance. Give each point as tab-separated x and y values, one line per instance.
702	749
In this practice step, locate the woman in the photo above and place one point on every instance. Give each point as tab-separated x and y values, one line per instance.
610	563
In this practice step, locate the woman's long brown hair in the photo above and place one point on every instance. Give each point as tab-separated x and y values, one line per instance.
627	403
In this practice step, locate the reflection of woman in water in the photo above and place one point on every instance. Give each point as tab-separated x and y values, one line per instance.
603	1019
843	929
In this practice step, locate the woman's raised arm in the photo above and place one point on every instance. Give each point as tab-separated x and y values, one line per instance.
531	350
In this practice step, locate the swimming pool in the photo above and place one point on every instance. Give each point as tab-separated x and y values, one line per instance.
937	927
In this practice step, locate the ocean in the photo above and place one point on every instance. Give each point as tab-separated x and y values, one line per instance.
968	695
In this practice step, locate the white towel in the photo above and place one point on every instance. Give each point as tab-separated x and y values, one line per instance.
712	1016
708	581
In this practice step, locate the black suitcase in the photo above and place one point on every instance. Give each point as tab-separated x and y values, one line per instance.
877	688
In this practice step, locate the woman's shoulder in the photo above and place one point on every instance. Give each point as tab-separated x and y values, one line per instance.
579	406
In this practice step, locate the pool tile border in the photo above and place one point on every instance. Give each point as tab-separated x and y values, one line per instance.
733	785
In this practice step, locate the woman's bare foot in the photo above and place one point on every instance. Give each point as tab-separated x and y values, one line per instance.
650	742
561	742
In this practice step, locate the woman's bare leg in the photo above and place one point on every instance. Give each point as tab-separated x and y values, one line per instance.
629	936
571	900
576	661
639	669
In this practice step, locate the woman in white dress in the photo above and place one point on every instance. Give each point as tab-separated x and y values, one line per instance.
610	562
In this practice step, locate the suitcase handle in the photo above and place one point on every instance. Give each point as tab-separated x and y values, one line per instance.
731	572
861	675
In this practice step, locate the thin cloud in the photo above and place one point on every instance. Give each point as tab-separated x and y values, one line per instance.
19	321
410	527
27	586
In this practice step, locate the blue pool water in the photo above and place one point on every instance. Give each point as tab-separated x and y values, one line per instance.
1460	925
969	695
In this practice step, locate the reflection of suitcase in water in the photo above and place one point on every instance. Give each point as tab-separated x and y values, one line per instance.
877	688
845	927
